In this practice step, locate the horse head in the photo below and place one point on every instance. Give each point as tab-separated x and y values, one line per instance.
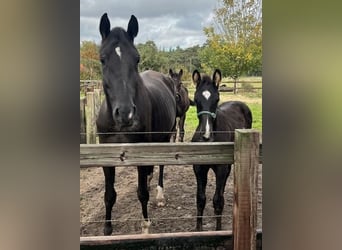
177	77
206	98
119	59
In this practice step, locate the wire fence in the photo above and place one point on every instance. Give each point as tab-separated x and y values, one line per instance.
155	219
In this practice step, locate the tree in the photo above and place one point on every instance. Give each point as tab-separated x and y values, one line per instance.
90	66
234	39
162	60
149	56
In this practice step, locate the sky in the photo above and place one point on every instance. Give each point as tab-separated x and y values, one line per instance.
169	23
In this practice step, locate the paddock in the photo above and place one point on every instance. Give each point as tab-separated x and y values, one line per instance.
246	159
173	225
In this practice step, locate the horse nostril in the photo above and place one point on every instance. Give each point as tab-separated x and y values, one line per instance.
124	114
116	112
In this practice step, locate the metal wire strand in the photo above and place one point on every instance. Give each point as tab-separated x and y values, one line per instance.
153	219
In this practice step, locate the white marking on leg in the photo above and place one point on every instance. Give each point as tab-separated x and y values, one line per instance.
145	226
207	130
160	197
149	179
118	51
206	94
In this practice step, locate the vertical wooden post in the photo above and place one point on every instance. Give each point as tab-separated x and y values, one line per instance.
83	131
97	100
246	160
97	105
90	118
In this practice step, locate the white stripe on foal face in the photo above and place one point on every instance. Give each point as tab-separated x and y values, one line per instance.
207	130
118	51
206	94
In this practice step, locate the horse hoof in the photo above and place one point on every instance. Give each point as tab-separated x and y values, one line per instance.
160	197
161	203
145	226
107	230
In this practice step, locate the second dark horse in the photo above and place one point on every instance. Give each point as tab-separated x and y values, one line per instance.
183	102
135	105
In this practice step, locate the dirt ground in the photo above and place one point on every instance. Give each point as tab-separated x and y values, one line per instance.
178	213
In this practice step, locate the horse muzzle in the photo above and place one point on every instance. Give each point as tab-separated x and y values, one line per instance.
125	115
207	138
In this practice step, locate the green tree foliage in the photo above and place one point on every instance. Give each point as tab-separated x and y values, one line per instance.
149	56
90	66
162	60
234	39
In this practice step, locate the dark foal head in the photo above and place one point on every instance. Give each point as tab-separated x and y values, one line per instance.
120	59
177	77
206	99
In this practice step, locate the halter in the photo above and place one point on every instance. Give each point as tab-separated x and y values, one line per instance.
213	115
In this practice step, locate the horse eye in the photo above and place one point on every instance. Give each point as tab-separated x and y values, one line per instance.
138	59
102	60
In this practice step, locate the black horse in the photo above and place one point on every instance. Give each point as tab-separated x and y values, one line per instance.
216	123
135	105
183	103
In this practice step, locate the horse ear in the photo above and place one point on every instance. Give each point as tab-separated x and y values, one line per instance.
180	73
170	72
217	77
196	77
133	27
104	26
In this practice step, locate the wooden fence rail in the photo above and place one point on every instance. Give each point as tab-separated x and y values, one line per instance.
183	240
244	153
132	154
90	85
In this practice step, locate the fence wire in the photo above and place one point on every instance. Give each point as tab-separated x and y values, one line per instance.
152	132
155	219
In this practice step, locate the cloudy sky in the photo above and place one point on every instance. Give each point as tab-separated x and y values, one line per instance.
169	23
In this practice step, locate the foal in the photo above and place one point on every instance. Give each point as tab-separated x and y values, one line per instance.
216	123
183	102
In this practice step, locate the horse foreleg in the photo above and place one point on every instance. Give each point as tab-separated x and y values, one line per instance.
143	195
201	173
160	193
181	128
174	131
221	173
149	179
109	198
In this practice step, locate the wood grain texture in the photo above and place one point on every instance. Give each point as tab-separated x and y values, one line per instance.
246	155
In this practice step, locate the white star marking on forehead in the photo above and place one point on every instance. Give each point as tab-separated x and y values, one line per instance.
118	51
206	94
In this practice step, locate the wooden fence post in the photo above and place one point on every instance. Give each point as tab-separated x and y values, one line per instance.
97	101
246	161
97	105
83	131
91	118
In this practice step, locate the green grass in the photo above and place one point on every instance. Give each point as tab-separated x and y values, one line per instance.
191	123
257	115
